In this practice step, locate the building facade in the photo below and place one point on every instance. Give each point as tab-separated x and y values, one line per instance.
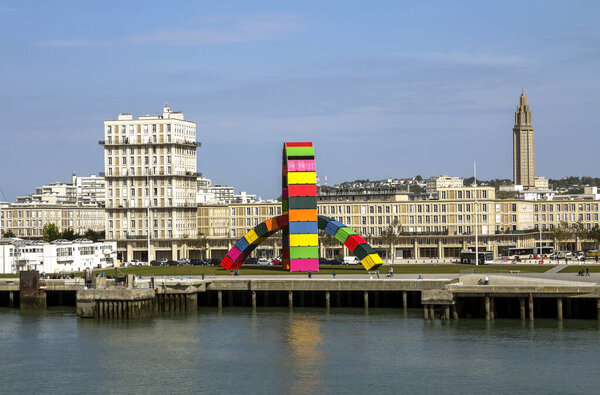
523	146
26	220
57	256
151	184
438	227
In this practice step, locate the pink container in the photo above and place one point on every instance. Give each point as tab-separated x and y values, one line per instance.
304	265
233	253
301	165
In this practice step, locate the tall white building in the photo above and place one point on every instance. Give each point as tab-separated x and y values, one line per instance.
150	162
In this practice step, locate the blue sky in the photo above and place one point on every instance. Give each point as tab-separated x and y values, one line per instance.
383	88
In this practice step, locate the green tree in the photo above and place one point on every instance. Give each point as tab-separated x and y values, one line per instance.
594	234
93	235
579	232
559	234
9	233
50	232
68	234
391	236
202	243
327	240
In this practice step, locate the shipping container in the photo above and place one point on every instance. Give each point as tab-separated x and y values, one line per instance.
302	190
302	202
343	233
302	177
304	252
303	215
298	240
304	265
300	165
303	227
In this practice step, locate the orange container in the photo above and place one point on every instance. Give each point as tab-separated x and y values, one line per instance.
299	215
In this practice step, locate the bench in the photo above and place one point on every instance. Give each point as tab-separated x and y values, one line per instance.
515	271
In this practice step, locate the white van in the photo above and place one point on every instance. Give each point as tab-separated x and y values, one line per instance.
351	260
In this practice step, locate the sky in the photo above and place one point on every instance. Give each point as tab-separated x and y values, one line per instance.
384	89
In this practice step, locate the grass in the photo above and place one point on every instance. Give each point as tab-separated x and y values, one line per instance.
577	268
326	269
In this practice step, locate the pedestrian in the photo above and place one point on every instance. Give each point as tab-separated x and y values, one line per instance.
309	274
391	272
587	271
333	274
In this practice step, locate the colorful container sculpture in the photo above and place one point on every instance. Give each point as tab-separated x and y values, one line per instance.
299	221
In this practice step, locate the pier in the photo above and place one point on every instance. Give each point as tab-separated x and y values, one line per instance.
445	297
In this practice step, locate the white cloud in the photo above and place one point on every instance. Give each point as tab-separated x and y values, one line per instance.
223	30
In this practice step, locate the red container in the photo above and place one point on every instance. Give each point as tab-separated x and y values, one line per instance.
283	221
300	144
226	263
302	190
353	241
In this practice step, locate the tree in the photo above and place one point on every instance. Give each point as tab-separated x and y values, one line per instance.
559	233
68	234
202	243
391	236
327	240
594	234
93	235
9	233
50	232
579	232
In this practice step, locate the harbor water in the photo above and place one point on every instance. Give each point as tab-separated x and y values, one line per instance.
307	351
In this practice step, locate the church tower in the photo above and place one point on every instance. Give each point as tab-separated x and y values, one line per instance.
523	149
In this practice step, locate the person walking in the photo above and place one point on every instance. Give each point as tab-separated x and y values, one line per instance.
333	274
309	274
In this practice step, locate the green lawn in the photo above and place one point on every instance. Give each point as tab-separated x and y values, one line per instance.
328	269
577	268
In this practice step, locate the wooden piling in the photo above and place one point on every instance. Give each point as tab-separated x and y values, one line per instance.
531	315
559	309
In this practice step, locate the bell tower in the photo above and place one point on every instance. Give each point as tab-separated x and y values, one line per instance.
523	147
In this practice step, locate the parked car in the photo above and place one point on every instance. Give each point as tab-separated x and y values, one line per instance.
163	261
335	262
214	261
171	263
275	261
155	263
183	261
323	261
250	261
134	262
263	262
197	262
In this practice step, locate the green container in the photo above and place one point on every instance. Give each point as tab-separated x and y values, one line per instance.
261	230
342	234
362	250
304	252
302	202
284	205
300	151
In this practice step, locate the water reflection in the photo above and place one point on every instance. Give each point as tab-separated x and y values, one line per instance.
305	356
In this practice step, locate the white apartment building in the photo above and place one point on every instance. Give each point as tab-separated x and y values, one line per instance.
89	190
57	256
443	181
150	167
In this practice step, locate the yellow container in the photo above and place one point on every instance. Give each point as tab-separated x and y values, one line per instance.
372	261
251	236
302	177
300	240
